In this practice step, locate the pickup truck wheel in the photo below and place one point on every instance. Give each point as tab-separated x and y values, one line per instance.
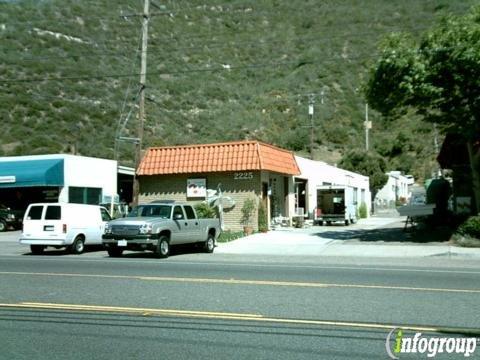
3	225
115	252
163	247
37	249
78	246
209	244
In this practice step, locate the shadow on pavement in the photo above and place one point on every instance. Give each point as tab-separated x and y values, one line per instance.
390	234
174	251
51	251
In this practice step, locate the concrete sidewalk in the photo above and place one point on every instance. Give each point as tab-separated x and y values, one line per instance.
373	237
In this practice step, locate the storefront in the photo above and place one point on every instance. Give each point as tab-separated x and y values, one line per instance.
60	177
238	170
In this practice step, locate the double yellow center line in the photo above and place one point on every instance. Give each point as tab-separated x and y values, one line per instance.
231	316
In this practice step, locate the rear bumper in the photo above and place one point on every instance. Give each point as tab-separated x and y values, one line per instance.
47	242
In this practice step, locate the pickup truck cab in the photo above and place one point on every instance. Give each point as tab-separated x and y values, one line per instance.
10	218
157	226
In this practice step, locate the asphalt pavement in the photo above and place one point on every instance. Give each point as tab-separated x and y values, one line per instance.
317	292
377	237
189	306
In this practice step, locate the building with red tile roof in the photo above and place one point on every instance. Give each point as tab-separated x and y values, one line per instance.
221	157
241	169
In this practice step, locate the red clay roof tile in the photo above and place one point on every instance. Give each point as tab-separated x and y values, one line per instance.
232	156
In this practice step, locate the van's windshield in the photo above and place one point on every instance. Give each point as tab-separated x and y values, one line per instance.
161	211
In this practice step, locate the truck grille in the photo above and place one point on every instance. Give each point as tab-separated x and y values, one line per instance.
125	229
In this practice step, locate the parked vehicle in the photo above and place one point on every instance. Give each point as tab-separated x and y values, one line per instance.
73	226
10	218
335	203
157	226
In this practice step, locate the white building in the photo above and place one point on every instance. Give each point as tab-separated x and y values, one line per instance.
396	189
57	177
317	173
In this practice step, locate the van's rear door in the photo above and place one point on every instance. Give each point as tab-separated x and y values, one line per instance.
53	225
33	222
44	222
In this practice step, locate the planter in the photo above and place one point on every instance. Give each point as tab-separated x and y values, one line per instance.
248	230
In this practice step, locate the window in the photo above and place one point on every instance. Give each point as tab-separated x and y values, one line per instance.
84	195
105	215
178	213
161	211
190	213
53	213
35	213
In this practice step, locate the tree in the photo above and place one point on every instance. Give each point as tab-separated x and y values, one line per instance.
437	77
369	164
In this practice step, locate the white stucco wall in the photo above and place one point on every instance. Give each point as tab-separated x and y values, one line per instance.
320	173
80	171
396	187
84	171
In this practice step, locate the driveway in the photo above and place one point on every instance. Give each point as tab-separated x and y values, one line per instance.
312	240
377	236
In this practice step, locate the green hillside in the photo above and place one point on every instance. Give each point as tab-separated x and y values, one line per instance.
217	71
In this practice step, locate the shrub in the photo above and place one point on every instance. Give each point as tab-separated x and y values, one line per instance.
362	211
205	211
262	218
247	210
229	235
471	227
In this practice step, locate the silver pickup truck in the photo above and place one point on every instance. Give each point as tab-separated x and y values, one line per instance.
156	226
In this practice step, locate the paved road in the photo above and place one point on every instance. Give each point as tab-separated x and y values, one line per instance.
216	306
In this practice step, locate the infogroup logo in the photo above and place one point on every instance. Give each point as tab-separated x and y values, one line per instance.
420	344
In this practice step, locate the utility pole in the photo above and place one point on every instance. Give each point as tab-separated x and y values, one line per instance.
141	112
368	126
311	102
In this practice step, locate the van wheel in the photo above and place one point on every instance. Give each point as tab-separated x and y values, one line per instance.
3	225
78	245
209	244
163	247
347	223
115	252
37	249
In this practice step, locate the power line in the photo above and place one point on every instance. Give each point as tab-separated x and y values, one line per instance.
216	69
298	62
203	47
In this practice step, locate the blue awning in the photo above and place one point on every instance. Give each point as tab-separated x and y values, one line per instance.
28	173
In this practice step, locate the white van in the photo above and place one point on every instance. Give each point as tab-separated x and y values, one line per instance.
63	225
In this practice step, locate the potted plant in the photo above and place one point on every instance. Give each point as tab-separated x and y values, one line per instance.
262	218
248	209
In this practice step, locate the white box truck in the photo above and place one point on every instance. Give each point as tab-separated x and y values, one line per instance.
335	203
73	226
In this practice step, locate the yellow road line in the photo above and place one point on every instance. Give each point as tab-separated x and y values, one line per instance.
247	282
229	316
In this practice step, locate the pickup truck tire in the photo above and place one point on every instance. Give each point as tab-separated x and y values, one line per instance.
115	252
78	246
3	225
163	247
37	249
209	245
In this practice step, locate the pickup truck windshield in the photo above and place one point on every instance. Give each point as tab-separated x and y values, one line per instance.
161	211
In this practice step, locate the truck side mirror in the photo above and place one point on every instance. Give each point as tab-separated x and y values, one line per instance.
177	216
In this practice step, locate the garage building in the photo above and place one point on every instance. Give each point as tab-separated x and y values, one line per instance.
60	178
